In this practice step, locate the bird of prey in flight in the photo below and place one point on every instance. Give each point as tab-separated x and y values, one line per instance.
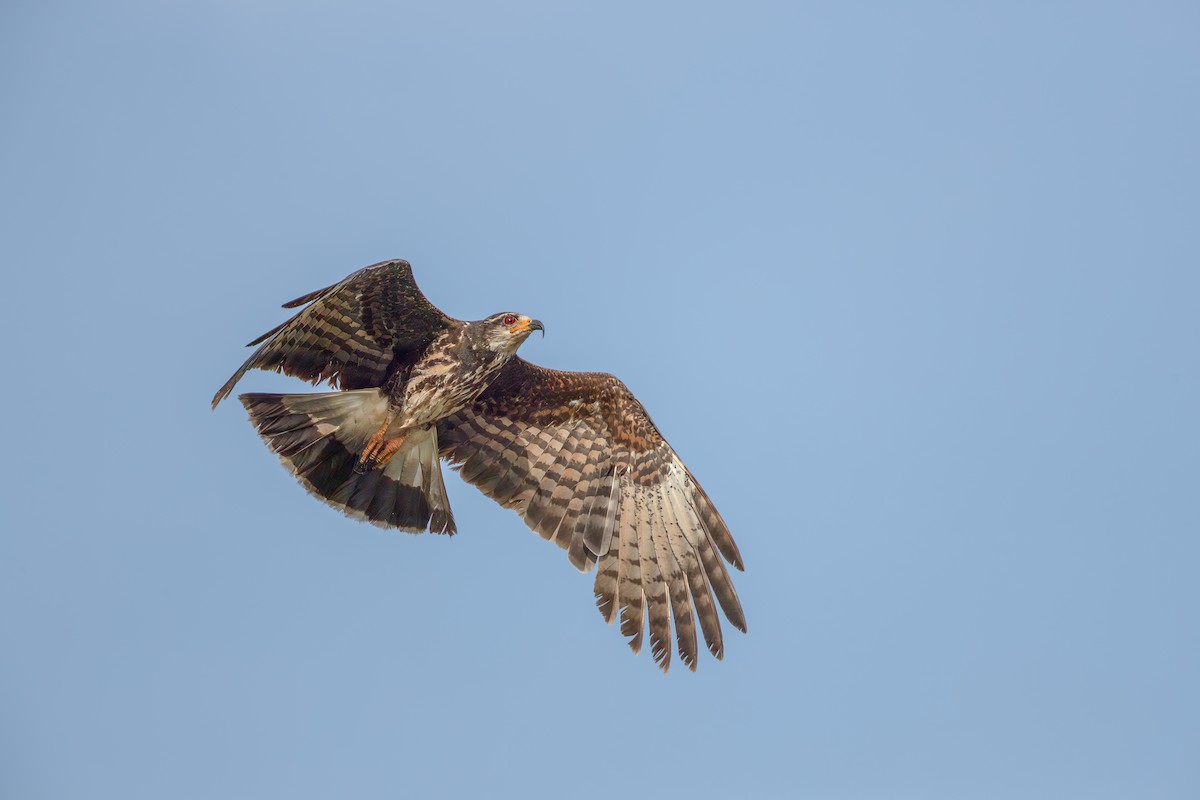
574	453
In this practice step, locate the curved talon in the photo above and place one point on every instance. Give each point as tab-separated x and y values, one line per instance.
379	451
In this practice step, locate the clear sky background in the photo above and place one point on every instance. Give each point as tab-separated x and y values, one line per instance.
914	291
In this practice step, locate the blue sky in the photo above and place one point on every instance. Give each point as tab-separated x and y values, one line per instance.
913	291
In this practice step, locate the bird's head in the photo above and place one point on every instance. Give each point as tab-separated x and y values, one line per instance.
508	330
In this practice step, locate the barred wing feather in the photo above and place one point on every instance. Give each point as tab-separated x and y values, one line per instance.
576	455
355	334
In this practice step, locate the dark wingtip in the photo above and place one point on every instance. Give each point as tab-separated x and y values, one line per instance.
224	391
306	298
735	615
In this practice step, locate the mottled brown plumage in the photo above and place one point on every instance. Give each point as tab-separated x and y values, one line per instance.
574	453
363	332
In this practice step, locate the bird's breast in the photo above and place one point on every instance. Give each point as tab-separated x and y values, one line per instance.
442	384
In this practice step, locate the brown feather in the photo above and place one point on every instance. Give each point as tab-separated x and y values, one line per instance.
671	542
304	299
578	457
718	578
318	437
652	535
716	525
605	587
356	334
706	610
630	579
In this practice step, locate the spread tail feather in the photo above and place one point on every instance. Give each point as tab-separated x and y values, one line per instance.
319	438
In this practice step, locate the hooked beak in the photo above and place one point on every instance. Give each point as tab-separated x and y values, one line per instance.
527	325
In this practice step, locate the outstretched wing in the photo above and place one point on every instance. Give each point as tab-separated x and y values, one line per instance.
355	334
576	455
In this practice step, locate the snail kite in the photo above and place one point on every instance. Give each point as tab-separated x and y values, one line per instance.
574	453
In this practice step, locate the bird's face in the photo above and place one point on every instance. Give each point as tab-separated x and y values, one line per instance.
508	330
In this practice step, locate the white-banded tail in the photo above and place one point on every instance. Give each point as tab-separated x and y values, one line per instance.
319	438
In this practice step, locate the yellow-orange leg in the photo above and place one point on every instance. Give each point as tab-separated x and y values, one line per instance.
379	450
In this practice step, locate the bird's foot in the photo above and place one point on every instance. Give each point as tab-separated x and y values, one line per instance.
379	451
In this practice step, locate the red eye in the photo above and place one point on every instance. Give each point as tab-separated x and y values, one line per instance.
510	320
